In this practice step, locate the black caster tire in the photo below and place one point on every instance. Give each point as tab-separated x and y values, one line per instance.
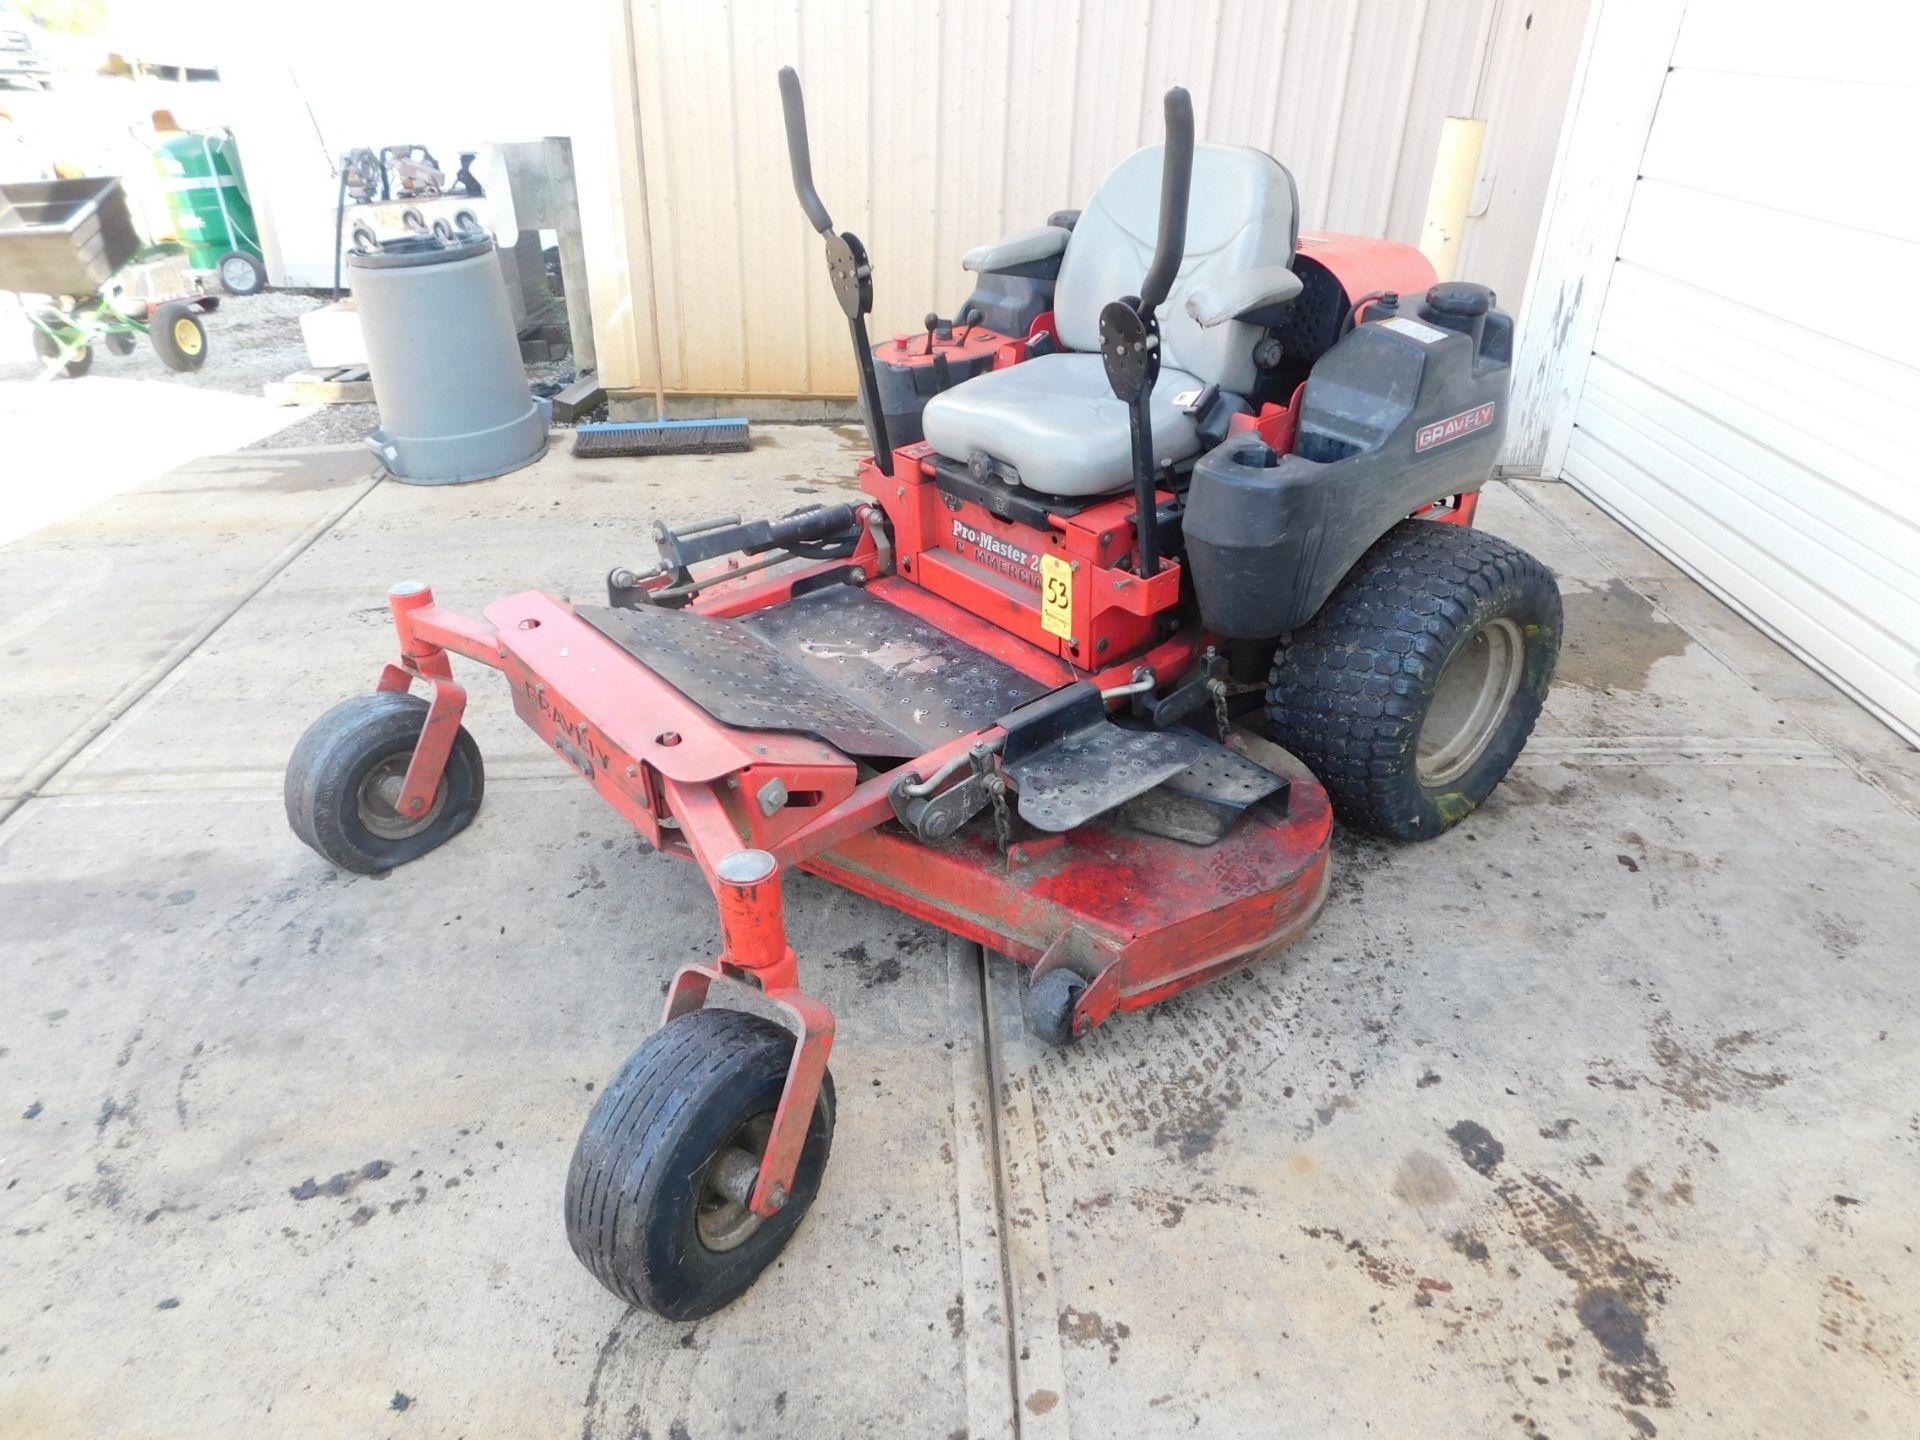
240	274
179	339
1413	690
646	1206
1049	1006
48	349
118	342
344	776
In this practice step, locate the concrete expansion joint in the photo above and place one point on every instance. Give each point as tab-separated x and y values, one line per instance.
80	740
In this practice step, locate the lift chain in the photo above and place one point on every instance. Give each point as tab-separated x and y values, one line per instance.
996	787
1221	719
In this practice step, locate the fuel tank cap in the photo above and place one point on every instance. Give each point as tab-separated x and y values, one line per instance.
1460	297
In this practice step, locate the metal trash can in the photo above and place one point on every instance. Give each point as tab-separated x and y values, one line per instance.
454	400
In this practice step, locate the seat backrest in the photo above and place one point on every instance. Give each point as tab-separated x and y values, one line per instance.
1243	213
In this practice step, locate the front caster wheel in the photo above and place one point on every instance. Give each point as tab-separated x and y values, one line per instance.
344	780
656	1195
1050	1002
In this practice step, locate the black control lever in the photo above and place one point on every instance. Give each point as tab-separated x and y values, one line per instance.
681	548
1130	331
847	264
932	322
799	158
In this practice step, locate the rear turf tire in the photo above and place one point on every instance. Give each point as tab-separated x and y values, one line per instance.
642	1211
1415	687
342	775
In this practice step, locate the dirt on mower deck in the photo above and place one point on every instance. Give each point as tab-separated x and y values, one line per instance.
1593	1118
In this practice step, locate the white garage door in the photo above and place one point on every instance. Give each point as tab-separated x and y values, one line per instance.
1752	403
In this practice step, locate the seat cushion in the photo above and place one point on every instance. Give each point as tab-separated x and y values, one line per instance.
1056	421
1242	215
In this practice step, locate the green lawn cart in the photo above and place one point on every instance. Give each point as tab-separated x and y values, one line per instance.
212	213
70	253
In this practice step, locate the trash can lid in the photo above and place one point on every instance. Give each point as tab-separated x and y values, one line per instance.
407	250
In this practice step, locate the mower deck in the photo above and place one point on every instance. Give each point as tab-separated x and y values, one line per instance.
1132	917
688	725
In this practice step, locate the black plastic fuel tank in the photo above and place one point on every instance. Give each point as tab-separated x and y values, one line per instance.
1399	413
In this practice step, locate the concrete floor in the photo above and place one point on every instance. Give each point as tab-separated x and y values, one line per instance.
1595	1117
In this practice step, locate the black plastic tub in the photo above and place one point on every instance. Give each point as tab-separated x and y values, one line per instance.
64	237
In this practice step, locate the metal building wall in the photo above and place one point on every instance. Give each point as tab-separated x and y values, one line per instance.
939	124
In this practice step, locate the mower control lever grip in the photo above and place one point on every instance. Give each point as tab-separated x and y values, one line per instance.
684	547
828	522
798	156
1176	181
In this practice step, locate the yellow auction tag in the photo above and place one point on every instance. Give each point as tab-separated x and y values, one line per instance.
1056	596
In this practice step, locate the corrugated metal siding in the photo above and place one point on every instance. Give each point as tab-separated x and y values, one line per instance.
937	126
1749	407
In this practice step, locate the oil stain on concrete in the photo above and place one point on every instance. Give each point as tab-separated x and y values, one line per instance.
1616	1292
1612	637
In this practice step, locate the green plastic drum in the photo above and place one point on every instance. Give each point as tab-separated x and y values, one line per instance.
207	195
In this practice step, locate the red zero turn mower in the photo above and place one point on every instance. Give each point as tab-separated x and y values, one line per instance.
1167	561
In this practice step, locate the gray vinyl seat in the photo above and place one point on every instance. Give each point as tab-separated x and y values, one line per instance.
1054	420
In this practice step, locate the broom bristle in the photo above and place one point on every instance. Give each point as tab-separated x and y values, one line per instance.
661	437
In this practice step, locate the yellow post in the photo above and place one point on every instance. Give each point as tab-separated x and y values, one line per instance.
1455	169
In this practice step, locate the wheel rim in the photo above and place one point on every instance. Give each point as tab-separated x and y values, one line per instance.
186	336
378	800
238	273
720	1213
1470	699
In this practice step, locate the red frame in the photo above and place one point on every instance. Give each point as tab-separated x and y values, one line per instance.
1141	917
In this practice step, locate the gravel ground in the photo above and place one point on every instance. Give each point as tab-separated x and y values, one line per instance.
348	424
252	341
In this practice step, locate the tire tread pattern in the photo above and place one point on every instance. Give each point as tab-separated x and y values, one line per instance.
627	1150
315	788
1348	690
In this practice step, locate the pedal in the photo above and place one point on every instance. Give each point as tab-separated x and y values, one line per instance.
1072	764
1201	803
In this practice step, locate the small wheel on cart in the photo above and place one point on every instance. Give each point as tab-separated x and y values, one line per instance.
656	1195
344	781
48	349
179	339
240	273
1050	1002
116	340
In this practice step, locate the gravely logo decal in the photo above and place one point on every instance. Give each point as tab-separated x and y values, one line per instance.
1452	428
